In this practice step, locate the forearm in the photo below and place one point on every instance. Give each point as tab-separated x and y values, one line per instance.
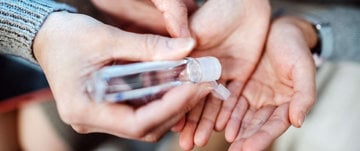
344	21
20	21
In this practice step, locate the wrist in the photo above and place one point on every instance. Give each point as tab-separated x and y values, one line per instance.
47	30
307	29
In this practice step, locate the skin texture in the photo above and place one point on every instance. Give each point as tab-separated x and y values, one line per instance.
69	47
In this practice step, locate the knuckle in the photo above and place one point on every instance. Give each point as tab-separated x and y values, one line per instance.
70	115
137	132
67	116
151	43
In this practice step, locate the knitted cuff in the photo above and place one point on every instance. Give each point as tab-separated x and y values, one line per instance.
20	21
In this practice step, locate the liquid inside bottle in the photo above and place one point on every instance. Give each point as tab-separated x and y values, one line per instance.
142	82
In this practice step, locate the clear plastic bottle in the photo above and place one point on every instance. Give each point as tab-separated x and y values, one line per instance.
145	81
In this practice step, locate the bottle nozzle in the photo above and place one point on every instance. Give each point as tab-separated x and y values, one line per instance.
220	91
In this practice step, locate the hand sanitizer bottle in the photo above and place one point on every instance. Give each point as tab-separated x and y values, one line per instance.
146	81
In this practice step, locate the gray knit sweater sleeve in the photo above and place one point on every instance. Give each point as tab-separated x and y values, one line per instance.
20	20
344	18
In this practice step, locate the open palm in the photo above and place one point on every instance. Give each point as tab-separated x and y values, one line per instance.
281	90
233	31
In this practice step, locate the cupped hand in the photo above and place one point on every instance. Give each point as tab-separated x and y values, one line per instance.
69	47
280	92
233	31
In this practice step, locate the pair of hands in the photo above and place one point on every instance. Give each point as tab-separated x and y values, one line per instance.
269	87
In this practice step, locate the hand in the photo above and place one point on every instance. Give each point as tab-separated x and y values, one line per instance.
69	47
281	90
156	16
234	31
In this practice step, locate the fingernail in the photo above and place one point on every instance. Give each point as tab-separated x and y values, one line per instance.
182	44
301	120
176	48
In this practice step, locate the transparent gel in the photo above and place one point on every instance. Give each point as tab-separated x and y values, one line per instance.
146	81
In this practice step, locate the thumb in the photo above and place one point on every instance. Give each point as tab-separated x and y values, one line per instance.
146	47
305	89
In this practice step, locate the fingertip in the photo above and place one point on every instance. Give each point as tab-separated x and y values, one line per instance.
299	107
185	143
202	134
175	48
222	119
189	43
297	118
199	140
221	122
296	114
229	136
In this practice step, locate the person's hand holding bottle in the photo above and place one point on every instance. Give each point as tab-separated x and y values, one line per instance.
69	47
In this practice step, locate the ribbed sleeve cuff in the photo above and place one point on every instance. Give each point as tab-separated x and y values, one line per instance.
20	20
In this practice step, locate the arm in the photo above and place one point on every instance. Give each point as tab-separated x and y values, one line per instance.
20	22
344	19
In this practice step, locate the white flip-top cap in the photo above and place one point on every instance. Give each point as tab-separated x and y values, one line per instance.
210	68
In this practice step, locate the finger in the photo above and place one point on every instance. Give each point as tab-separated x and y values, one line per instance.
260	117
135	47
252	122
244	124
305	95
137	123
156	134
179	126
151	136
186	138
129	13
228	106
273	128
233	126
177	101
222	10
207	121
175	16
